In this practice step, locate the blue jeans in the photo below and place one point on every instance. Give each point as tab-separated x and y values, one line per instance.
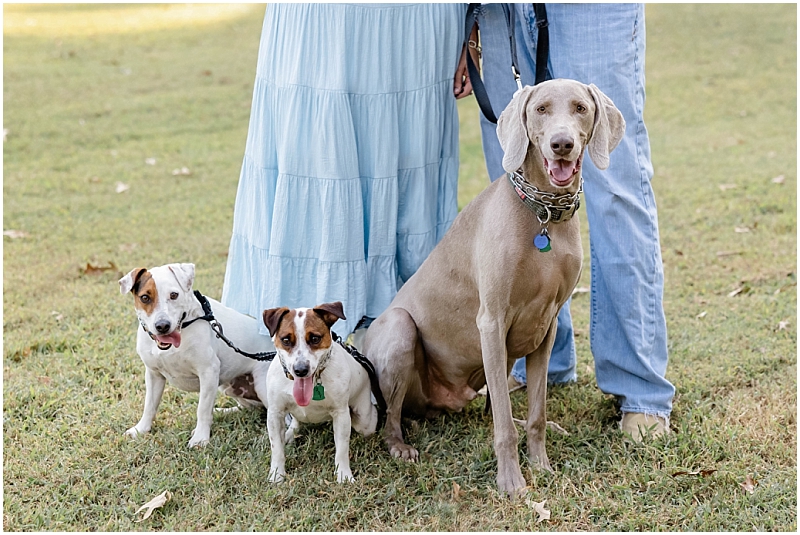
604	45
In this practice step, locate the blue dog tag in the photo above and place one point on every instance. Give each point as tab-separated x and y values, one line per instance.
542	241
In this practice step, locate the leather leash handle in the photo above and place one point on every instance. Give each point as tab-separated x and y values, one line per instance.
542	54
542	43
475	77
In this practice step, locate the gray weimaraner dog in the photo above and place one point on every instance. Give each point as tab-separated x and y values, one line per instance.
490	292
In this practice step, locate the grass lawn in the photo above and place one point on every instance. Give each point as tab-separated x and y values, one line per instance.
101	98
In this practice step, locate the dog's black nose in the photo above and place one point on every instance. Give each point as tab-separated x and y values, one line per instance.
562	145
163	326
300	368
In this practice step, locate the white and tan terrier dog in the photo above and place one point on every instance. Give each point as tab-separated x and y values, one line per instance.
315	380
192	358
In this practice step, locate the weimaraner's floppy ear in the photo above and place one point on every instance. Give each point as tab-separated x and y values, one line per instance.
609	127
511	131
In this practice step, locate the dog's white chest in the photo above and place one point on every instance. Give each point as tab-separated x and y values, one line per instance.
315	412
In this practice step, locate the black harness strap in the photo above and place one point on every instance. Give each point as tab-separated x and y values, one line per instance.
542	53
367	365
208	314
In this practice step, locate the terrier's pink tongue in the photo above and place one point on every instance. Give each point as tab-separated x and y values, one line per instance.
562	170
303	390
174	339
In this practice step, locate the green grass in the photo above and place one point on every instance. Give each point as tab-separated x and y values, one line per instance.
91	91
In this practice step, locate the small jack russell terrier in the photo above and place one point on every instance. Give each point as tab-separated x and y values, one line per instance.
188	353
315	380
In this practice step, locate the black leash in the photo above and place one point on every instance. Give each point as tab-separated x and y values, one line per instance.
542	53
208	315
367	365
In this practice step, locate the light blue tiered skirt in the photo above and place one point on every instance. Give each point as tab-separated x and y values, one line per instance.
350	170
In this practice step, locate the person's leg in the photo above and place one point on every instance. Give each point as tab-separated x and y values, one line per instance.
500	86
605	45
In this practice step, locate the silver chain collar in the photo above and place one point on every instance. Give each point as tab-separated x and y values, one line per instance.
548	207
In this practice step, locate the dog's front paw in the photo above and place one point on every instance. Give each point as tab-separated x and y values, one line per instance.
405	452
277	476
345	477
133	432
198	440
511	483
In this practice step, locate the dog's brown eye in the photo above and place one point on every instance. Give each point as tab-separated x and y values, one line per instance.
173	295
144	298
581	108
541	109
286	341
314	339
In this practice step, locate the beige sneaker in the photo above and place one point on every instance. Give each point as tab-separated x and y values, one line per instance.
513	384
638	425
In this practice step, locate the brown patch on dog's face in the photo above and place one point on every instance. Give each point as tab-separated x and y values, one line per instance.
145	293
285	333
301	327
317	331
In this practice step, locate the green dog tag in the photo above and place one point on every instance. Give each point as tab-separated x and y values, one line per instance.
319	393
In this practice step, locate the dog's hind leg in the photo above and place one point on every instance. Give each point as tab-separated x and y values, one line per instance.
363	415
536	424
291	432
392	345
154	389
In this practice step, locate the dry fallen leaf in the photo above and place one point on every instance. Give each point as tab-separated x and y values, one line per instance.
121	187
150	161
702	314
749	484
15	234
739	290
782	325
98	270
741	230
57	315
538	508
154	504
456	491
724	187
778	179
701	473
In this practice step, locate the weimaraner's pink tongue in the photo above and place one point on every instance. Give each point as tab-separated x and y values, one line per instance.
562	170
303	390
174	339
